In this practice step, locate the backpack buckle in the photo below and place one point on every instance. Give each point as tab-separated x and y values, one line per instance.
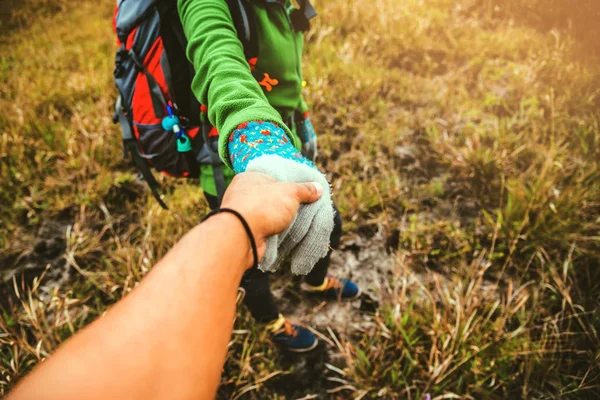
119	58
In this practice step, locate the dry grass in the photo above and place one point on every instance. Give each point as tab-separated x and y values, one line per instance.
466	130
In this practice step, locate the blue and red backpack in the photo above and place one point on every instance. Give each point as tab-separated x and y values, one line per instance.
162	123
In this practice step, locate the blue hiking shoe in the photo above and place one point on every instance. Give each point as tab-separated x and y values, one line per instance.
292	337
334	288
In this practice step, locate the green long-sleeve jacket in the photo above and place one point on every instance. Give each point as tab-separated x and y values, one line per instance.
224	82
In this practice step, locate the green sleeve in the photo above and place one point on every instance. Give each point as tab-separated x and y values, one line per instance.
303	106
223	80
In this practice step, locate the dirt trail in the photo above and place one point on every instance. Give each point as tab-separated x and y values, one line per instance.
313	374
367	263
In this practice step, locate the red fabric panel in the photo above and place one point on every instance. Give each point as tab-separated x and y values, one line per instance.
130	38
213	132
192	132
183	175
141	104
252	62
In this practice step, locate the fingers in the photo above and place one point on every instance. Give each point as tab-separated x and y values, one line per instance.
314	245
308	192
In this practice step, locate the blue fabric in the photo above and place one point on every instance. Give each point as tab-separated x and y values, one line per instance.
307	131
254	139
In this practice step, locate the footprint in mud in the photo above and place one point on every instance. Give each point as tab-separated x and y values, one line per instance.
49	248
44	257
308	374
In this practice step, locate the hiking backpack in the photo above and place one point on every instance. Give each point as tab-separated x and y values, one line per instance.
162	124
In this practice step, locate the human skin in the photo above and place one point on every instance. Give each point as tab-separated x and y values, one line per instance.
168	338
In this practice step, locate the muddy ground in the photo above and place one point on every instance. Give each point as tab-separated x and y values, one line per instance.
369	264
42	257
368	257
314	375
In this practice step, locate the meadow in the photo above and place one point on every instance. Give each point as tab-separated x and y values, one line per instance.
462	142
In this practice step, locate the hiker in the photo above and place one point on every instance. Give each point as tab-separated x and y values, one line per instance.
240	99
168	338
212	88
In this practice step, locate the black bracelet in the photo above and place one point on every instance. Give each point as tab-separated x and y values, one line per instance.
246	227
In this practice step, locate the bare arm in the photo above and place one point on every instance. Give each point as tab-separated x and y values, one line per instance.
168	338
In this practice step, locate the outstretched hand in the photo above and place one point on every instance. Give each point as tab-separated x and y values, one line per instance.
268	206
192	303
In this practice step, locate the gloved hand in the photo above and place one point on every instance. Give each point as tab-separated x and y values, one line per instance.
307	134
264	147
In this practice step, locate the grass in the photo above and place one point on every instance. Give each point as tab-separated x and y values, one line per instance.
465	131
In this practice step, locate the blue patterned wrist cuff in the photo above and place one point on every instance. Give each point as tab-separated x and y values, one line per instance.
257	138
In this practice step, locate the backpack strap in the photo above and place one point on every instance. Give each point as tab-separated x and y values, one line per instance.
130	146
136	11
166	67
216	162
158	99
301	17
307	9
244	20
